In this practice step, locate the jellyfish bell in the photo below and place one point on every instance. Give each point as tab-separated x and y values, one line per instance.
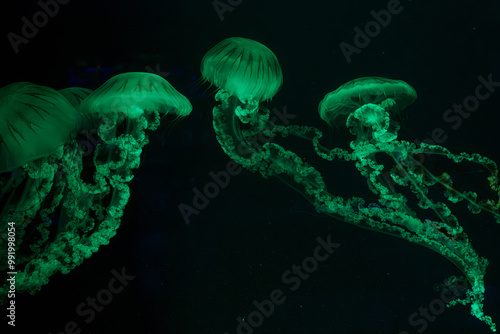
371	122
393	95
34	122
75	95
133	97
245	69
134	93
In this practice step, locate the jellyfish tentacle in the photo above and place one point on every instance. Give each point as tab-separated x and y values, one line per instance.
365	105
275	161
84	195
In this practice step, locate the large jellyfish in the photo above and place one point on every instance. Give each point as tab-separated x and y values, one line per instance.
365	106
36	122
65	201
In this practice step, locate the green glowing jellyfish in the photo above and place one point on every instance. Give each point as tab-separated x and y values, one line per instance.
135	94
243	68
82	207
365	106
34	122
343	101
376	136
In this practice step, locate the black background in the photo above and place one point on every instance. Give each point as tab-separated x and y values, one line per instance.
199	278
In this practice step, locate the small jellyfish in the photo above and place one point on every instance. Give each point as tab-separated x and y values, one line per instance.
243	68
393	95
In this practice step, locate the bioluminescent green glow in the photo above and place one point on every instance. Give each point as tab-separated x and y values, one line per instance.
75	95
390	166
34	121
244	68
67	202
135	93
343	101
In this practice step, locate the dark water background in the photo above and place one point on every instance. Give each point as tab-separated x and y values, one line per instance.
199	277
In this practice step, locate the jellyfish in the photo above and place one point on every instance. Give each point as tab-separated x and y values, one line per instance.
246	74
245	69
339	104
84	195
369	119
36	120
35	123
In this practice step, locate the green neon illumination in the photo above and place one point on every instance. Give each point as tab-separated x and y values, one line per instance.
339	104
75	95
87	188
34	122
391	167
245	68
135	93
